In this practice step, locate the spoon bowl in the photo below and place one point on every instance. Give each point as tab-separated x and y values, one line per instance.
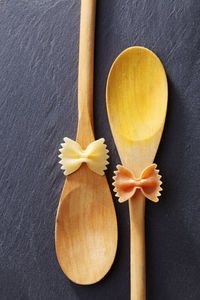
136	98
86	229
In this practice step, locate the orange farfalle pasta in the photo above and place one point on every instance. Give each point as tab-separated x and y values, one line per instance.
126	183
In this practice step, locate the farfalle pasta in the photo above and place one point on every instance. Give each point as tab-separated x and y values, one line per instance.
72	156
126	183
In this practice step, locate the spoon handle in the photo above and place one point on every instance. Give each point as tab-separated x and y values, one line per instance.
137	240
85	133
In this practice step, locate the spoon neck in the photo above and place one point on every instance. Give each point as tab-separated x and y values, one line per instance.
85	133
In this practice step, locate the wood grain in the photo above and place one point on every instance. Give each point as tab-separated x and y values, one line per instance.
86	226
136	97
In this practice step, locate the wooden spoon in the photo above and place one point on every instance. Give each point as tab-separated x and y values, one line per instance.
136	97
86	225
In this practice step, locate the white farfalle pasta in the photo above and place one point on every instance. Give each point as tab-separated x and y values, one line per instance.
72	156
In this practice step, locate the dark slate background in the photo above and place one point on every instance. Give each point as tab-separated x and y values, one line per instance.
38	107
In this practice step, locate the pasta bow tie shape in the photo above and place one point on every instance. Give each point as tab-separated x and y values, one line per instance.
72	156
126	184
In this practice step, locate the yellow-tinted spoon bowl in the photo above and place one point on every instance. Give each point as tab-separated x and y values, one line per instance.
136	97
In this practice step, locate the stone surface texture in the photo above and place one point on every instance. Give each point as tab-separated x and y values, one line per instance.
38	107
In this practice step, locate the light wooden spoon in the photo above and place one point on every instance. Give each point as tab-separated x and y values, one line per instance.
86	226
136	97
